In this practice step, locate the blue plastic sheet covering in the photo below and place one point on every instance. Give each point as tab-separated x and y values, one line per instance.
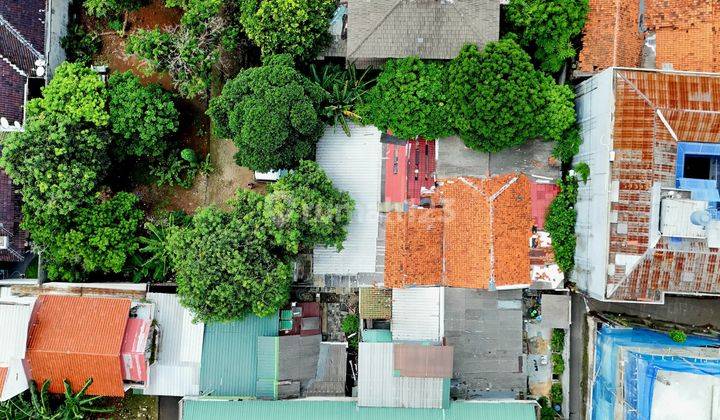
641	368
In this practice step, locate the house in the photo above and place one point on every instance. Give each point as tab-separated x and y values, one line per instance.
639	373
676	34
14	323
367	32
30	31
75	338
175	370
471	232
346	409
13	240
647	218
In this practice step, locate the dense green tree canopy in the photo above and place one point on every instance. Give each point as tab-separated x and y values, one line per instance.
499	100
111	8
410	99
548	27
227	265
304	209
271	113
146	115
296	27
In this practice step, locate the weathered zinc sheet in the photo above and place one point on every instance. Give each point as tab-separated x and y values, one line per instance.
416	314
378	387
353	164
422	361
176	370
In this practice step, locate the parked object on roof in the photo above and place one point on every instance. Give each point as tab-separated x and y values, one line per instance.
77	338
14	324
642	226
429	29
178	349
669	35
347	409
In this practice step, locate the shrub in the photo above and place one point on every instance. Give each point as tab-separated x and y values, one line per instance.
558	364
271	114
303	209
153	259
295	27
351	325
410	99
154	46
582	169
560	223
345	93
111	8
79	45
75	95
499	100
179	168
677	336
144	115
225	264
548	27
557	341
556	394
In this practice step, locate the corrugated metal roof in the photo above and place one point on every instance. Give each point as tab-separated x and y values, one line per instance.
267	367
176	370
416	314
354	165
347	410
377	336
229	359
77	338
378	387
421	361
14	320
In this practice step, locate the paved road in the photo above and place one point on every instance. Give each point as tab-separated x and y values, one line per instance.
577	350
168	408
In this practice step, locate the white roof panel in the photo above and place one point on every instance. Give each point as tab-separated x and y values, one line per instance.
354	165
378	387
416	314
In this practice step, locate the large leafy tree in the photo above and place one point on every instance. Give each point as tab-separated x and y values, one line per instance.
410	99
304	208
226	264
296	27
548	27
111	8
271	113
499	100
144	115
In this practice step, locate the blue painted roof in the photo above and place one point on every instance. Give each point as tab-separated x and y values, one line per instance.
348	410
229	359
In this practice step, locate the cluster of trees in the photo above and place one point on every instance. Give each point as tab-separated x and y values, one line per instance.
78	133
229	264
493	99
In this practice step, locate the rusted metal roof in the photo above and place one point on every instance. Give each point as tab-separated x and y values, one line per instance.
77	338
421	361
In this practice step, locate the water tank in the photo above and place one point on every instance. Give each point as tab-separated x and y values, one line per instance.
700	217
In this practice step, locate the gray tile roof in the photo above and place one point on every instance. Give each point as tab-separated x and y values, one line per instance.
430	29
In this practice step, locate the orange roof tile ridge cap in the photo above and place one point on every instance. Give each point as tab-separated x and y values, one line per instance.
503	188
637	90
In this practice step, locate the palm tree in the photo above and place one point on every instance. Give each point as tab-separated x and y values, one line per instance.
77	405
345	91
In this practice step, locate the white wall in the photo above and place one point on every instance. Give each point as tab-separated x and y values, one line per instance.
595	105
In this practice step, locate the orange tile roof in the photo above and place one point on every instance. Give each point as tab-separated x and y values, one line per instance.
645	154
611	36
3	376
76	338
481	232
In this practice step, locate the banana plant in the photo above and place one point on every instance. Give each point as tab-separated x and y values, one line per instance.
77	405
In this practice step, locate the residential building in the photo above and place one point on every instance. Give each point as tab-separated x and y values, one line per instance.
14	323
346	409
74	338
13	240
647	218
676	34
367	32
473	232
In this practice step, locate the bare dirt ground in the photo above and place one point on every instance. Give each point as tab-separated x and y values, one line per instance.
195	130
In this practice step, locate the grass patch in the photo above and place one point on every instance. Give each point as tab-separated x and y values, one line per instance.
136	407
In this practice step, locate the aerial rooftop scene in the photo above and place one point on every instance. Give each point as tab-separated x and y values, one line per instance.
360	209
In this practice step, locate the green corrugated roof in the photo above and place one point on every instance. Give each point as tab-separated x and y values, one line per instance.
267	367
348	410
377	336
229	358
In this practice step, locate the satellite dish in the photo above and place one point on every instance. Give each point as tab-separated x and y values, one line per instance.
39	62
17	125
40	71
4	122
